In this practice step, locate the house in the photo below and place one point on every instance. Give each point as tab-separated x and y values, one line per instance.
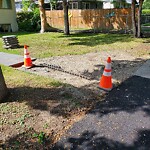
94	4
85	4
119	3
98	4
8	21
79	4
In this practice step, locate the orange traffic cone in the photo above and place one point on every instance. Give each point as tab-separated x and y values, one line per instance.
106	79
27	60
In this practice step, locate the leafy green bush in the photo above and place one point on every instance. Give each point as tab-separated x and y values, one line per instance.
146	4
146	12
29	21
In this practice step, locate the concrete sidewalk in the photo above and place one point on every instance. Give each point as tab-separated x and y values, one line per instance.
144	71
121	121
12	60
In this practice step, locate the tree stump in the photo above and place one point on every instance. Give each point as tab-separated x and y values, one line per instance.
3	87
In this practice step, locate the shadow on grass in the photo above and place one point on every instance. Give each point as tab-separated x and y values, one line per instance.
16	33
90	141
90	39
29	139
55	100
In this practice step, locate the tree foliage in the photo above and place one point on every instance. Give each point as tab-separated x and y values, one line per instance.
29	20
146	4
26	5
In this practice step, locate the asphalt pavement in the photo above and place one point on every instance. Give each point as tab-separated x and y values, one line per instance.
120	122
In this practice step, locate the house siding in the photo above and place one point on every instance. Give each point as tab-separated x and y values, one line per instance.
8	16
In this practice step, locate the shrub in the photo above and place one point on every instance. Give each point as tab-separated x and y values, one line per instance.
29	21
146	12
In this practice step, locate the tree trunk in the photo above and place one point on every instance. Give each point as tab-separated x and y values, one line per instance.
134	18
3	88
139	18
42	16
66	20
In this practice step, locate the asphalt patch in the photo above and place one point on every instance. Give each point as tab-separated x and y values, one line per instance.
121	121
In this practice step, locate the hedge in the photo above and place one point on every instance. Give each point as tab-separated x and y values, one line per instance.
146	12
28	21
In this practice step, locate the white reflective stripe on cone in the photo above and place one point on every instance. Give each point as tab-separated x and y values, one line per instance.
25	51
107	74
108	66
26	56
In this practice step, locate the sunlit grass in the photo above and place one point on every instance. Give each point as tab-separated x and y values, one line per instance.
16	78
57	44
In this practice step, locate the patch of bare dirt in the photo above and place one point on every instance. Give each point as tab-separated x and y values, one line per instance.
89	65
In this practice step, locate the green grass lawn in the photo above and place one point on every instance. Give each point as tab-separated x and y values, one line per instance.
18	78
57	44
146	27
147	24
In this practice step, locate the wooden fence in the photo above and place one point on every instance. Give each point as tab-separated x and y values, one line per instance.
107	19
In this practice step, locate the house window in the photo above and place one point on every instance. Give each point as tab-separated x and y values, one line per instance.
5	4
73	5
85	5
